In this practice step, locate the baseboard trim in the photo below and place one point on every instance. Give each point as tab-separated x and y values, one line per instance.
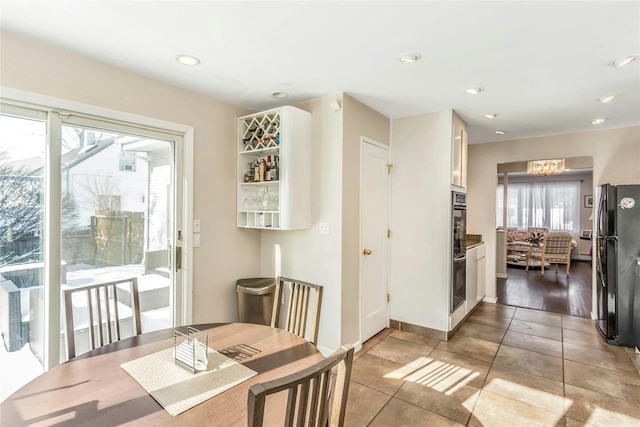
417	329
502	275
490	300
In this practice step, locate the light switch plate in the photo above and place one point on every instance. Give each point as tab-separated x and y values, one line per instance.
196	225
324	228
196	240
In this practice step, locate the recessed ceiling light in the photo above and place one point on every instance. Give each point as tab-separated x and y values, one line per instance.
598	121
621	62
187	59
279	95
490	115
501	132
606	99
409	58
473	90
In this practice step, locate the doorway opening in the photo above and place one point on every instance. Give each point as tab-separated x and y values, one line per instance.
528	206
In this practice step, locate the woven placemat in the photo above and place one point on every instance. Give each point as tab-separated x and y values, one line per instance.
177	389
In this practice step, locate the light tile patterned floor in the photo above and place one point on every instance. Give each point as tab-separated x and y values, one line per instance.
506	366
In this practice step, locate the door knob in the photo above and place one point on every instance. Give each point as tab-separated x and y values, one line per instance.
367	252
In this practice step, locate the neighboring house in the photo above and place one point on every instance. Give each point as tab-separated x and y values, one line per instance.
106	176
99	177
102	177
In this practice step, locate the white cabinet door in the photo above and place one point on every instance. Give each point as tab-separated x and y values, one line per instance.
459	152
482	270
482	278
472	278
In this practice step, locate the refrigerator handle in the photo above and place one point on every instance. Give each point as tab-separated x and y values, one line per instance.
599	258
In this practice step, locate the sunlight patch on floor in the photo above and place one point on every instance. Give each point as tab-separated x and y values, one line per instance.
435	374
525	394
600	416
407	369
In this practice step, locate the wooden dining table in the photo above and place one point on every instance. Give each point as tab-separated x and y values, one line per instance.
93	389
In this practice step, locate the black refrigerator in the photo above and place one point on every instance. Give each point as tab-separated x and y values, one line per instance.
617	252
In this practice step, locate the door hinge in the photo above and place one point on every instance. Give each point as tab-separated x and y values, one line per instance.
388	297
388	233
389	166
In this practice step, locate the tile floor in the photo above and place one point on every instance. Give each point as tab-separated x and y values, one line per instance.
505	366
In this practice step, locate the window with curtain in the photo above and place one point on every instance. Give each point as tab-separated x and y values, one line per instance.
554	205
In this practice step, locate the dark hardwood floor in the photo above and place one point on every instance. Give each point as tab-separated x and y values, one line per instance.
556	293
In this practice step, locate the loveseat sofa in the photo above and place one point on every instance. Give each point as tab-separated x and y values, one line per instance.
517	243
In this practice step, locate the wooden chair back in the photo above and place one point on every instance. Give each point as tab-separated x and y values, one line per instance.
315	397
556	249
300	317
103	312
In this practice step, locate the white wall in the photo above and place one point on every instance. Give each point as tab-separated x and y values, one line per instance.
330	260
305	254
420	219
616	159
227	253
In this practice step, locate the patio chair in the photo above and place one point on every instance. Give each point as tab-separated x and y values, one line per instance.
315	397
556	249
297	320
107	305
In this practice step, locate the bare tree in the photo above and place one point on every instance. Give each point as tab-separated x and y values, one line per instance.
22	213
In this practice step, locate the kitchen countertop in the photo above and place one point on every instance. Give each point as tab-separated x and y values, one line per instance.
472	244
474	240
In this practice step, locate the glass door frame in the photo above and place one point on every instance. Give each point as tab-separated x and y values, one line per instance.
61	112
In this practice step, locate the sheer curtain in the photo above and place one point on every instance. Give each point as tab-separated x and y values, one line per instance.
554	205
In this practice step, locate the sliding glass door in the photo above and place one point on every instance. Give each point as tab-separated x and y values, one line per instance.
83	200
23	141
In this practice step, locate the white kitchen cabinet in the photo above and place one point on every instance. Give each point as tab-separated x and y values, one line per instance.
482	271
422	149
472	278
459	152
476	272
273	170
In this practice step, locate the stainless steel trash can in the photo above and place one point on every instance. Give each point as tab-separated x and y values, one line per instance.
255	299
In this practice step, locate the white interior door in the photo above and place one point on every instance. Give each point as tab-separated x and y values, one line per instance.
374	214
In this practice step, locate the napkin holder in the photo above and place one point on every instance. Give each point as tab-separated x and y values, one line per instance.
190	349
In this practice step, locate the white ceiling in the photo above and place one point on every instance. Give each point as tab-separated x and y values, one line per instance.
542	64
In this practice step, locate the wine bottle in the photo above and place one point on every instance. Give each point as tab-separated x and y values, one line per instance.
261	169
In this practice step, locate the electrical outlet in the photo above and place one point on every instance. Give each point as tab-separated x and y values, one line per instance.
324	228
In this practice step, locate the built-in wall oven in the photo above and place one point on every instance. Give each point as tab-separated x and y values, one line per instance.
459	249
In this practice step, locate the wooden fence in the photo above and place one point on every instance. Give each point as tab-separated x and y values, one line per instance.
119	238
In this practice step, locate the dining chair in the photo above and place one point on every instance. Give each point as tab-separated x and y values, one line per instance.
316	396
299	315
101	308
556	249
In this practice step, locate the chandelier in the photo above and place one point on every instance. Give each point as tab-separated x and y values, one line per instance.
545	167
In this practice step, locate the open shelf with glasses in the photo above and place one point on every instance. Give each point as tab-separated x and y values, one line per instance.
273	170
